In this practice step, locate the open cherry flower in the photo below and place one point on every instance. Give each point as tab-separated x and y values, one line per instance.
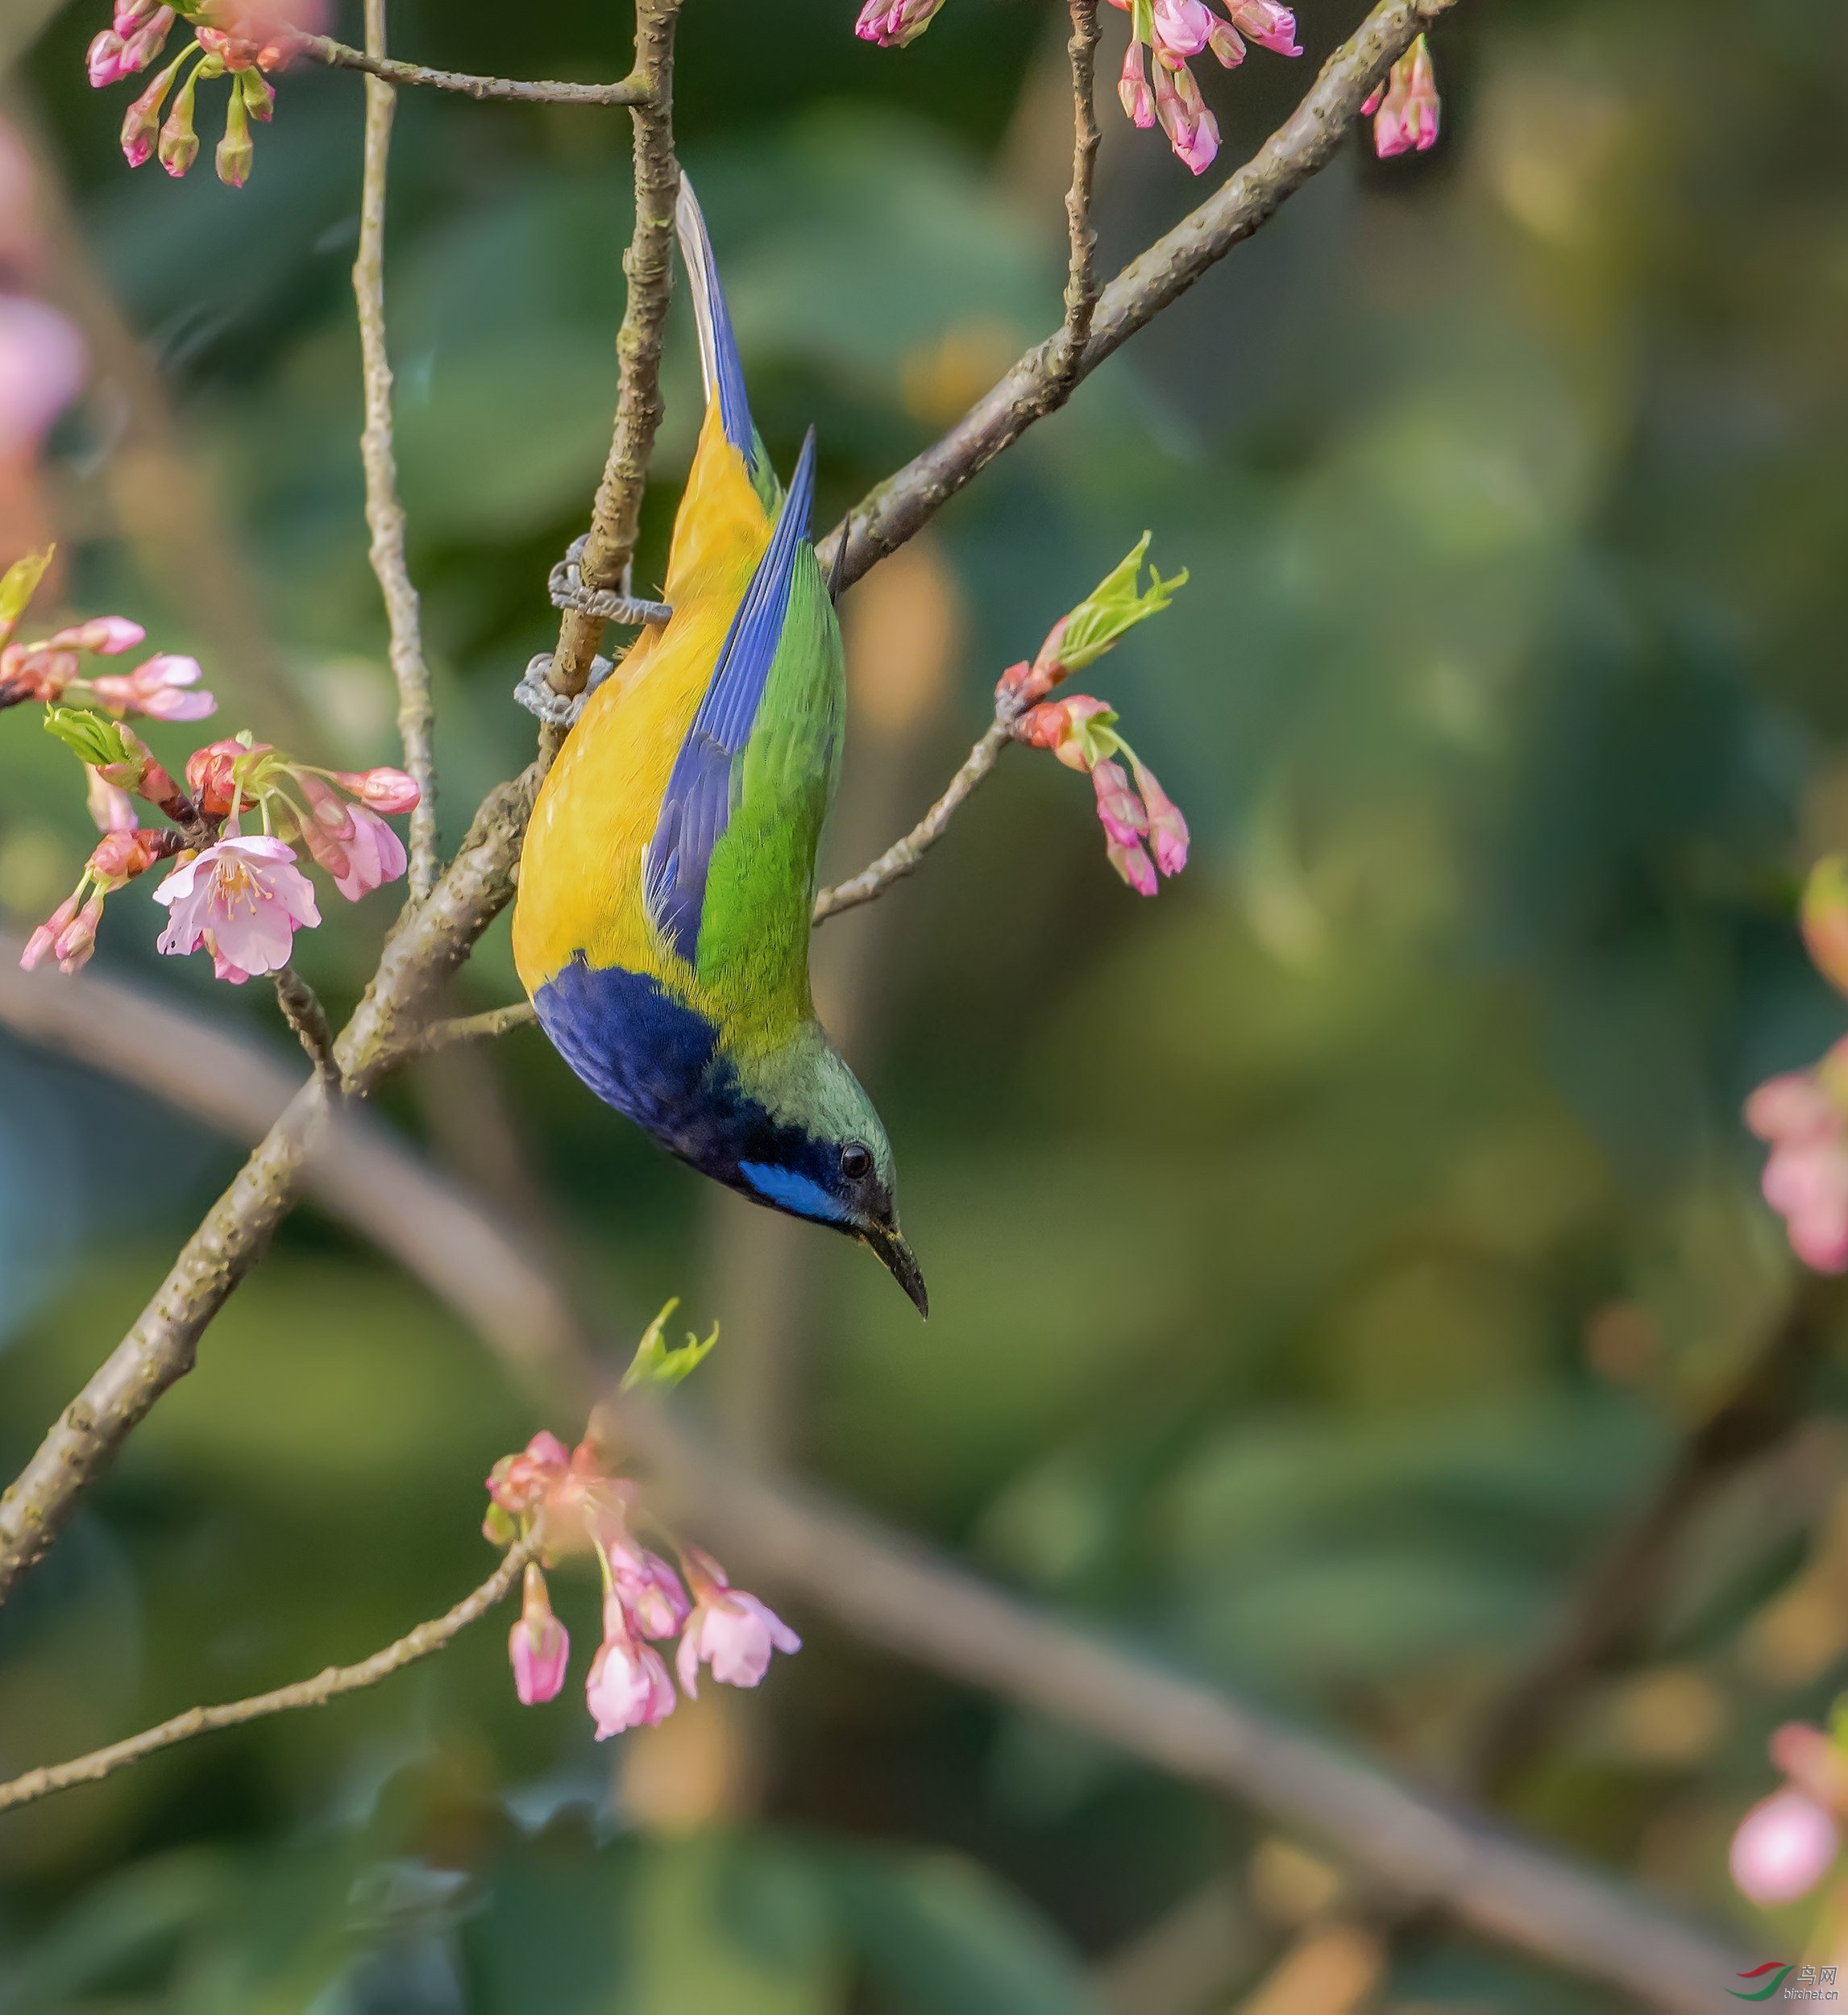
574	1502
1081	730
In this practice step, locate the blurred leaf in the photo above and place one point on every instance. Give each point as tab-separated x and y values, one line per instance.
944	1940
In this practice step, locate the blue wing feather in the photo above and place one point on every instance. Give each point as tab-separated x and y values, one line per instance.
697	805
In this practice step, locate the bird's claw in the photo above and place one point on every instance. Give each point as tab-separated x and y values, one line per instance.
567	588
537	695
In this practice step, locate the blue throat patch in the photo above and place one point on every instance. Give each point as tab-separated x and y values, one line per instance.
790	1190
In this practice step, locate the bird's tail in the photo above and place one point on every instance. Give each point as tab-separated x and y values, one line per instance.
720	366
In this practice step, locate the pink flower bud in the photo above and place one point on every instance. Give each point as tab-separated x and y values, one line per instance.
1065	727
1783	1847
1405	114
105	636
118	857
892	23
146	43
1192	130
1168	831
384	790
111	809
1132	88
209	774
1227	44
351	842
1117	807
1805	1179
1181	28
522	1483
103	60
1266	23
157	690
234	154
539	1647
1133	865
43	942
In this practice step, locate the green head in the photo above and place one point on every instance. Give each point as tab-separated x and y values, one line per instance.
807	1140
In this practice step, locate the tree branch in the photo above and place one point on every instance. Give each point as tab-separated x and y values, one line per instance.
1618	1598
633	89
1306	142
902	857
495	1021
433	938
384	514
1080	282
330	1685
302	1009
883	1587
648	265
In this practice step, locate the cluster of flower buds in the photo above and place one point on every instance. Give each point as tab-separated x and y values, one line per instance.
574	1504
1788	1842
52	668
1803	1114
1404	110
1172	30
240	896
240	39
1081	731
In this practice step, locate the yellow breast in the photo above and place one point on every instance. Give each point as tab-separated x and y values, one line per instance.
580	872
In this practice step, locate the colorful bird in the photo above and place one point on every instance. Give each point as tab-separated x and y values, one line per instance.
662	928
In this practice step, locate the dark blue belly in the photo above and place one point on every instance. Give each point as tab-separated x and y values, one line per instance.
658	1062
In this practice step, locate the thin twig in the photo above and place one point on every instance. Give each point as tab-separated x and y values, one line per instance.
631	90
616	515
433	939
902	857
1081	282
1621	1595
888	1590
495	1021
385	513
301	1006
1305	143
330	1685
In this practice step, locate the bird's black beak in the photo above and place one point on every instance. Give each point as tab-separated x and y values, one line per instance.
895	1256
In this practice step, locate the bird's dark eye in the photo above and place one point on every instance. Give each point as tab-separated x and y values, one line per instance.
856	1162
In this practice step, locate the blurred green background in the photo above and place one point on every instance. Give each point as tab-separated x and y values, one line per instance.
1322	1257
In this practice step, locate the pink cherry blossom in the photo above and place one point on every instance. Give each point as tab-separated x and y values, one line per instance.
157	689
1139	107
43	363
1806	1178
539	1647
1783	1847
1167	829
354	845
627	1683
68	935
384	790
243	899
892	23
731	1631
1192	130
